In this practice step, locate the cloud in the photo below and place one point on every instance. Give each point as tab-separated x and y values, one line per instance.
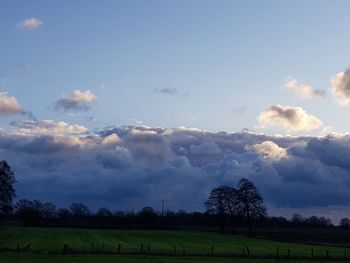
292	119
239	110
303	90
48	127
30	23
270	150
9	105
79	100
171	92
341	87
129	167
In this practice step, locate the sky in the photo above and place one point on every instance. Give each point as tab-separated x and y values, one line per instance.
136	101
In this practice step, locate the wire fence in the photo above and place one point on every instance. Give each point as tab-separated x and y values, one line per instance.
185	250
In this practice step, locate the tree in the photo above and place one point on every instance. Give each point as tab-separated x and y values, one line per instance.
232	205
104	212
345	223
79	210
217	204
64	215
7	191
48	211
29	212
251	202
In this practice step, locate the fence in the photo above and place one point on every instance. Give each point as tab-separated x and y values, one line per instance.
183	250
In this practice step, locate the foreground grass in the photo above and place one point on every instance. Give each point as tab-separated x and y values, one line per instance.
32	258
52	240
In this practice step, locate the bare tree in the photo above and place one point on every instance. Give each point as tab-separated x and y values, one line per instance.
344	223
232	205
251	202
217	204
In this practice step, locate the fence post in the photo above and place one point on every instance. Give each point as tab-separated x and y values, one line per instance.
288	253
183	250
312	252
277	251
149	249
345	253
18	248
92	247
327	254
119	247
103	247
248	251
212	250
174	249
141	249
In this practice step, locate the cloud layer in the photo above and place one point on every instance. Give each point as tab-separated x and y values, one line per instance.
79	100
292	119
130	167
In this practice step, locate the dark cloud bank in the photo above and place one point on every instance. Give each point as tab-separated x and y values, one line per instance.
130	167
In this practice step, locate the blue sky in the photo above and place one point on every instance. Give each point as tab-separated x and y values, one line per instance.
225	55
94	96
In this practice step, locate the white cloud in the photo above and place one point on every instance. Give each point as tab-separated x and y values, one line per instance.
9	105
303	90
48	127
341	87
292	119
270	150
79	100
30	23
111	140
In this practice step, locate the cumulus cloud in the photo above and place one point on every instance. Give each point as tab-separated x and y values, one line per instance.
270	150
30	23
9	105
341	87
171	92
130	167
303	90
292	119
48	127
79	100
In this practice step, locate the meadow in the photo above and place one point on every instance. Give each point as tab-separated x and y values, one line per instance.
26	244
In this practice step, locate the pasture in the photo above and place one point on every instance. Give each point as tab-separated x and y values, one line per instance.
25	244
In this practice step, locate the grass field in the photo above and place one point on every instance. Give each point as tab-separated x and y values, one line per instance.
46	245
20	258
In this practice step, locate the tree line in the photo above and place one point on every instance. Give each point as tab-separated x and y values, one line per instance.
226	205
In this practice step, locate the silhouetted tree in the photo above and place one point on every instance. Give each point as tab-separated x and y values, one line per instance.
344	223
29	212
297	220
217	204
7	191
104	212
251	202
64	215
48	211
232	205
147	215
79	210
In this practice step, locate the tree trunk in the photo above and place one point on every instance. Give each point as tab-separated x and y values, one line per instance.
222	224
250	230
233	230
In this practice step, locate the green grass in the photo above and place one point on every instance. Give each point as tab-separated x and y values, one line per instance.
32	258
52	240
